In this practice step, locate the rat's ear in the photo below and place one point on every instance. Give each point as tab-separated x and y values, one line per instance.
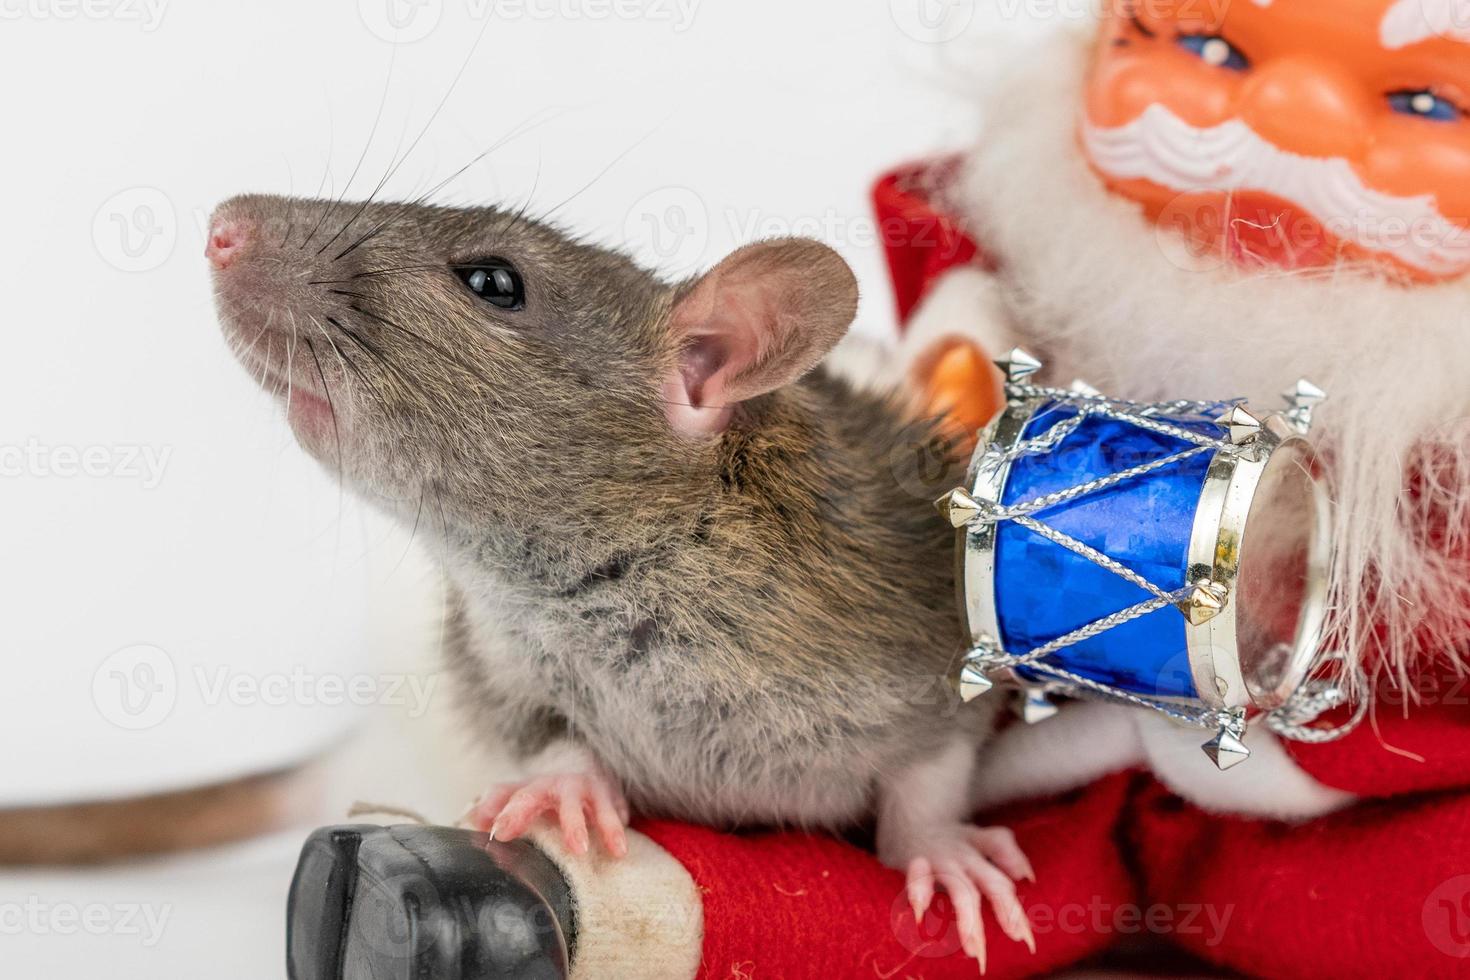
757	321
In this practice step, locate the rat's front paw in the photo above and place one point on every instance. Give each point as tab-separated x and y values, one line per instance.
971	864
509	809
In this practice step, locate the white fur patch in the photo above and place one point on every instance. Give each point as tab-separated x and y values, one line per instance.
1088	740
1269	784
1085	741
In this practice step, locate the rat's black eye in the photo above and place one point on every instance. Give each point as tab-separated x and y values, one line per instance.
495	281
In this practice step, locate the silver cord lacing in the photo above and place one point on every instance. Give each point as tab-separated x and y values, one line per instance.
1293	720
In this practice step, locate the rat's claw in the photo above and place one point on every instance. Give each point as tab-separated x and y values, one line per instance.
488	806
994	885
972	865
920	887
998	846
569	812
510	809
966	900
610	813
526	804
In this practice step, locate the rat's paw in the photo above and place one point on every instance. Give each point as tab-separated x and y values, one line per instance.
971	864
509	809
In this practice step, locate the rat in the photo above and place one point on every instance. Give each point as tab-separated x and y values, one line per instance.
692	573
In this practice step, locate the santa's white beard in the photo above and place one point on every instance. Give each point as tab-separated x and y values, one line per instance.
1105	296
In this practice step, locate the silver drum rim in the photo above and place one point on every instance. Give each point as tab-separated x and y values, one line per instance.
1220	528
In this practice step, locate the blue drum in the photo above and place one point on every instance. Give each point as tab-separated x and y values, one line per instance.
1170	555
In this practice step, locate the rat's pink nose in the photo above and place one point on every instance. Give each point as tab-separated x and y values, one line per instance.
227	239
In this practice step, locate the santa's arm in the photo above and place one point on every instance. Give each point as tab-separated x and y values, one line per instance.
785	904
1083	742
952	314
1399	749
964	304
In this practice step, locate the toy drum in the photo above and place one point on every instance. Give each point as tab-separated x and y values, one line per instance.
1171	555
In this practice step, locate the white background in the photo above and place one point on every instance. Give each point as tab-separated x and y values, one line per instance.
129	592
162	536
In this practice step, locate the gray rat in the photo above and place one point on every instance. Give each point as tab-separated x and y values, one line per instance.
689	570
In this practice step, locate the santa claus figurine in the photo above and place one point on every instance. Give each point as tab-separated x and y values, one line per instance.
1181	199
1199	198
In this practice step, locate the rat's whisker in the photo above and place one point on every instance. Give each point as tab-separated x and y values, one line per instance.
372	133
331	406
372	273
402	209
372	196
521	129
394	270
413	531
447	355
250	350
399	161
520	212
454	84
369	387
290	361
599	175
371	390
384	362
341	358
331	145
291	207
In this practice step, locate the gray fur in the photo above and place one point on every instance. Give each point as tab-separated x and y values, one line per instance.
746	630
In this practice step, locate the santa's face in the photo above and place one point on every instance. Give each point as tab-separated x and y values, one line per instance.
1292	133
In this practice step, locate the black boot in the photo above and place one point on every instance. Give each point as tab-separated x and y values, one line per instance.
425	903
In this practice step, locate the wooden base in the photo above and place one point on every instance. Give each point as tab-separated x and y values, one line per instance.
94	833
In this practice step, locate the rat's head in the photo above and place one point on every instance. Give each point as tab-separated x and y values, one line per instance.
497	366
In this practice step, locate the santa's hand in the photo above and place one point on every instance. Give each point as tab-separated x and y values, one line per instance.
509	809
971	864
